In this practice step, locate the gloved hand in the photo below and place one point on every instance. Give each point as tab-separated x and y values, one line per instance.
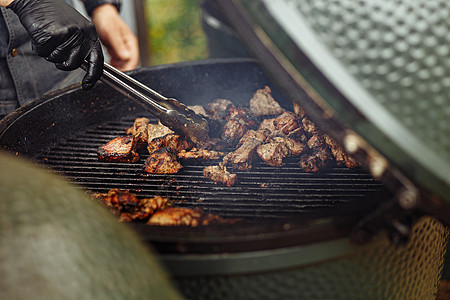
62	35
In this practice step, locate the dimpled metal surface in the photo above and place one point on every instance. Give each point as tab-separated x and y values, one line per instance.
399	51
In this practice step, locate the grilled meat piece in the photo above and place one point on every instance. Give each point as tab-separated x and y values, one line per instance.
162	161
233	130
298	110
180	216
262	103
145	208
239	120
317	140
316	160
157	130
242	157
120	149
198	109
267	125
287	122
273	152
342	158
139	130
212	144
219	174
309	126
251	135
171	140
195	153
296	147
279	145
176	216
298	135
320	155
216	109
118	200
241	112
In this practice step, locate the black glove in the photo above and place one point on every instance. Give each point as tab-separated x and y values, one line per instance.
62	35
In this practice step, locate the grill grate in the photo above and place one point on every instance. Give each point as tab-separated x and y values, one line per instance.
263	193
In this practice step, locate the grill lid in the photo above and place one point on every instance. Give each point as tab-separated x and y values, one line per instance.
378	68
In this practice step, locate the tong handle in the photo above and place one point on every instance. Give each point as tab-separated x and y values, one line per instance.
130	81
133	89
170	112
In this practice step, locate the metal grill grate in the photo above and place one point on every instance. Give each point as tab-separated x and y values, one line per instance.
263	193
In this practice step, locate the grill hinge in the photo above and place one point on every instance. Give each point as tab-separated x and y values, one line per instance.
396	216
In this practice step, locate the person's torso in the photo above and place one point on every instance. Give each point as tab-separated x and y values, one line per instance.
24	75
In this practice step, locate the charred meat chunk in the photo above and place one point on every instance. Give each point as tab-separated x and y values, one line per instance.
298	110
317	140
242	157
171	140
267	125
198	109
233	130
180	216
315	160
241	112
118	200
120	149
309	126
342	158
212	144
296	147
219	174
273	152
139	130
176	216
239	120
216	109
279	145
319	156
162	161
262	103
157	130
298	135
145	208
195	153
252	135
287	122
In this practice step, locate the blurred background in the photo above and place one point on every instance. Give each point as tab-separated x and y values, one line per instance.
174	31
169	31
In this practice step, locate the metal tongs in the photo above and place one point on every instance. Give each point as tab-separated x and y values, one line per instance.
170	112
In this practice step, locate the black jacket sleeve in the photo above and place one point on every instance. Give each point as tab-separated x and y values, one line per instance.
90	5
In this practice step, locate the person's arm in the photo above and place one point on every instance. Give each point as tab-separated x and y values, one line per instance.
61	35
5	3
116	36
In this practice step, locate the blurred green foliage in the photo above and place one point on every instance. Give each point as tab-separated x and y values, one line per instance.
175	32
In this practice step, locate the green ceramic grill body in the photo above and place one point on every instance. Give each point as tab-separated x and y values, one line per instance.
56	243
